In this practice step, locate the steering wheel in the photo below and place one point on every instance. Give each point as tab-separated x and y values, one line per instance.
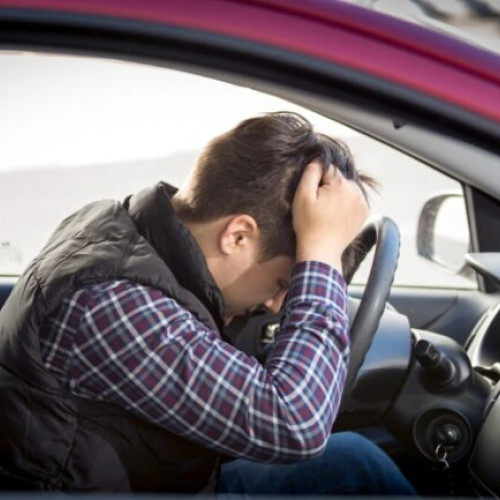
384	234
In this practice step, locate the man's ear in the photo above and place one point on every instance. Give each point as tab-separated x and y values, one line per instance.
240	232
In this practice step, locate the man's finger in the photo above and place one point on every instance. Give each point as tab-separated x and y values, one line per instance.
331	174
310	180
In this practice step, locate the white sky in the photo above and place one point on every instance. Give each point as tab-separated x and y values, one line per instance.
72	110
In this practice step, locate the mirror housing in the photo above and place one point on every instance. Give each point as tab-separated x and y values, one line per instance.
443	231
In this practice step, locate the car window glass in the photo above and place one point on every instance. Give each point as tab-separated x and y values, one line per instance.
405	186
77	129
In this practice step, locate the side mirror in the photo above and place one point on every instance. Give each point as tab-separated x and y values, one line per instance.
443	232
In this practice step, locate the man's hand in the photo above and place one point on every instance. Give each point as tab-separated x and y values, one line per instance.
328	213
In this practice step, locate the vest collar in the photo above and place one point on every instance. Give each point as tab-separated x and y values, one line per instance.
157	222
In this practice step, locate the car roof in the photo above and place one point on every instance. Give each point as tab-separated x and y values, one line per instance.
344	34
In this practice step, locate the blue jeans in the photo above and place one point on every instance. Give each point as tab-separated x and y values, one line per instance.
351	464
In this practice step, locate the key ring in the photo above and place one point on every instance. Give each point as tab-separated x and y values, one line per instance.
440	453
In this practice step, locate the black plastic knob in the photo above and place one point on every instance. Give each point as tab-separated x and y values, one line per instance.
438	369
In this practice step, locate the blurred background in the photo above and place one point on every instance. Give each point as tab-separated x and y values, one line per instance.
476	20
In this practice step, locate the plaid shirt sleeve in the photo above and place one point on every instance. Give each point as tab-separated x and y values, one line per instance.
128	344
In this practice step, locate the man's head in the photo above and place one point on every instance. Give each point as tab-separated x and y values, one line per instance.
245	181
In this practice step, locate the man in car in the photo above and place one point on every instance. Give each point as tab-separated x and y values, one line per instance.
115	372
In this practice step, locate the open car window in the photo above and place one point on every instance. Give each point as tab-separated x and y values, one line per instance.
77	129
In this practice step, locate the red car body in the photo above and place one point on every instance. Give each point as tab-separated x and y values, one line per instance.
336	32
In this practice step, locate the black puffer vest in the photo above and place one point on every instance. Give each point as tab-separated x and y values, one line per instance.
51	440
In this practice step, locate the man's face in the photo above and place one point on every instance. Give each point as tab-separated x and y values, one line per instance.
257	283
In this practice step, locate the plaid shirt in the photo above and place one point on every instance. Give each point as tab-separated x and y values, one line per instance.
130	345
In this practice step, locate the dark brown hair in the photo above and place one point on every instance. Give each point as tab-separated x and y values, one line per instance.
255	168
